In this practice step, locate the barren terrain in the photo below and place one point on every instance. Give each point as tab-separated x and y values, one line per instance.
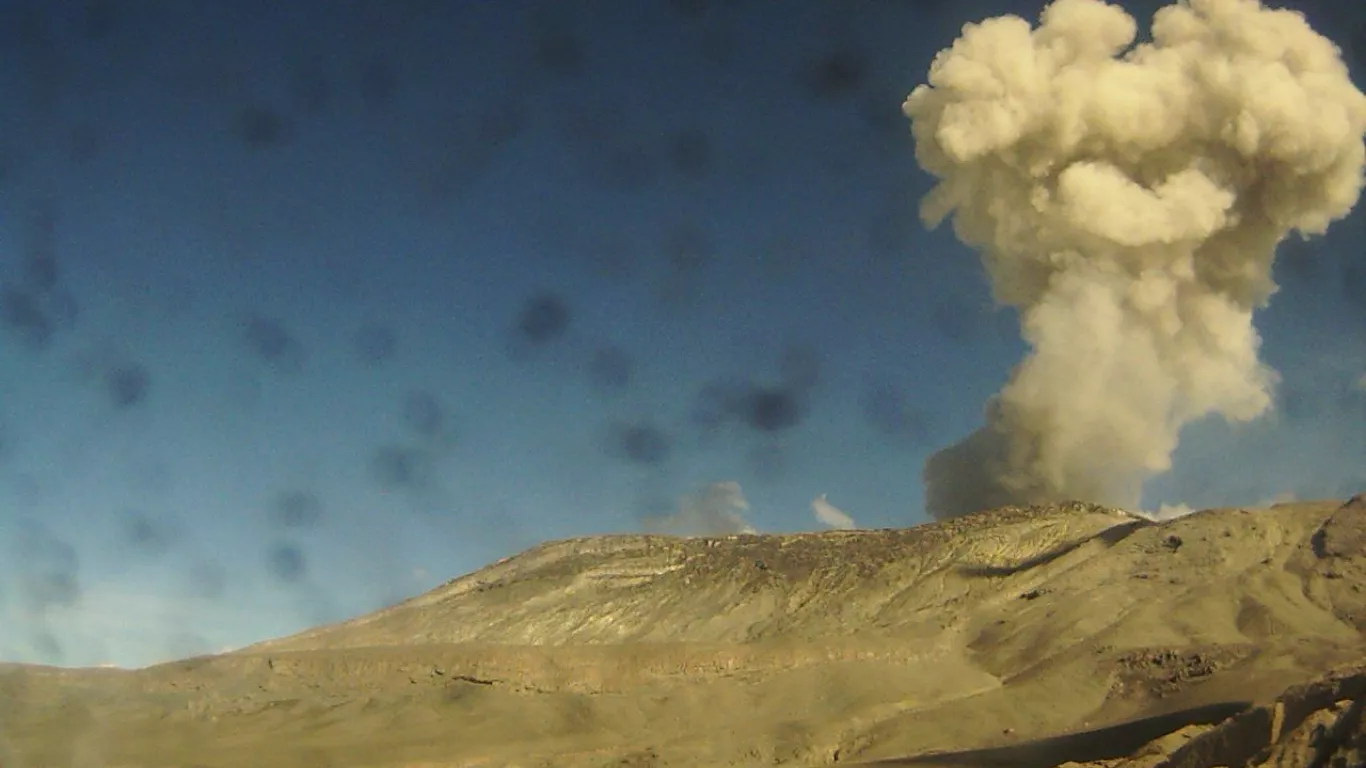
1019	637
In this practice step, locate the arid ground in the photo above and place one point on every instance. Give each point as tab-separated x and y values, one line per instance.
1019	637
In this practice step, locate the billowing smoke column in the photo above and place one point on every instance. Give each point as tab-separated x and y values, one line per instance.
1127	200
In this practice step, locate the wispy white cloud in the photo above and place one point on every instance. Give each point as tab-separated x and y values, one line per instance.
831	515
717	509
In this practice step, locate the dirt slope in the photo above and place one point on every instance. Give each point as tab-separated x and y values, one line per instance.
1023	637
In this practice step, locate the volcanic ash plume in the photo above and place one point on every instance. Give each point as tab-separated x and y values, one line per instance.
1127	200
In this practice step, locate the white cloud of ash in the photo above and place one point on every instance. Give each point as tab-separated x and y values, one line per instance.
1128	199
830	515
717	510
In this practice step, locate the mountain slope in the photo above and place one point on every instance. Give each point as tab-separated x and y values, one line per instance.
1027	631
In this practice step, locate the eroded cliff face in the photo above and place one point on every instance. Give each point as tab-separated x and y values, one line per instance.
1038	631
1310	725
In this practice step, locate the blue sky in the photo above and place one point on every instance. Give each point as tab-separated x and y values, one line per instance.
351	298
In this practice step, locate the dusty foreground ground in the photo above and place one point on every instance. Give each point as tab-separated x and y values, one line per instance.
1021	637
